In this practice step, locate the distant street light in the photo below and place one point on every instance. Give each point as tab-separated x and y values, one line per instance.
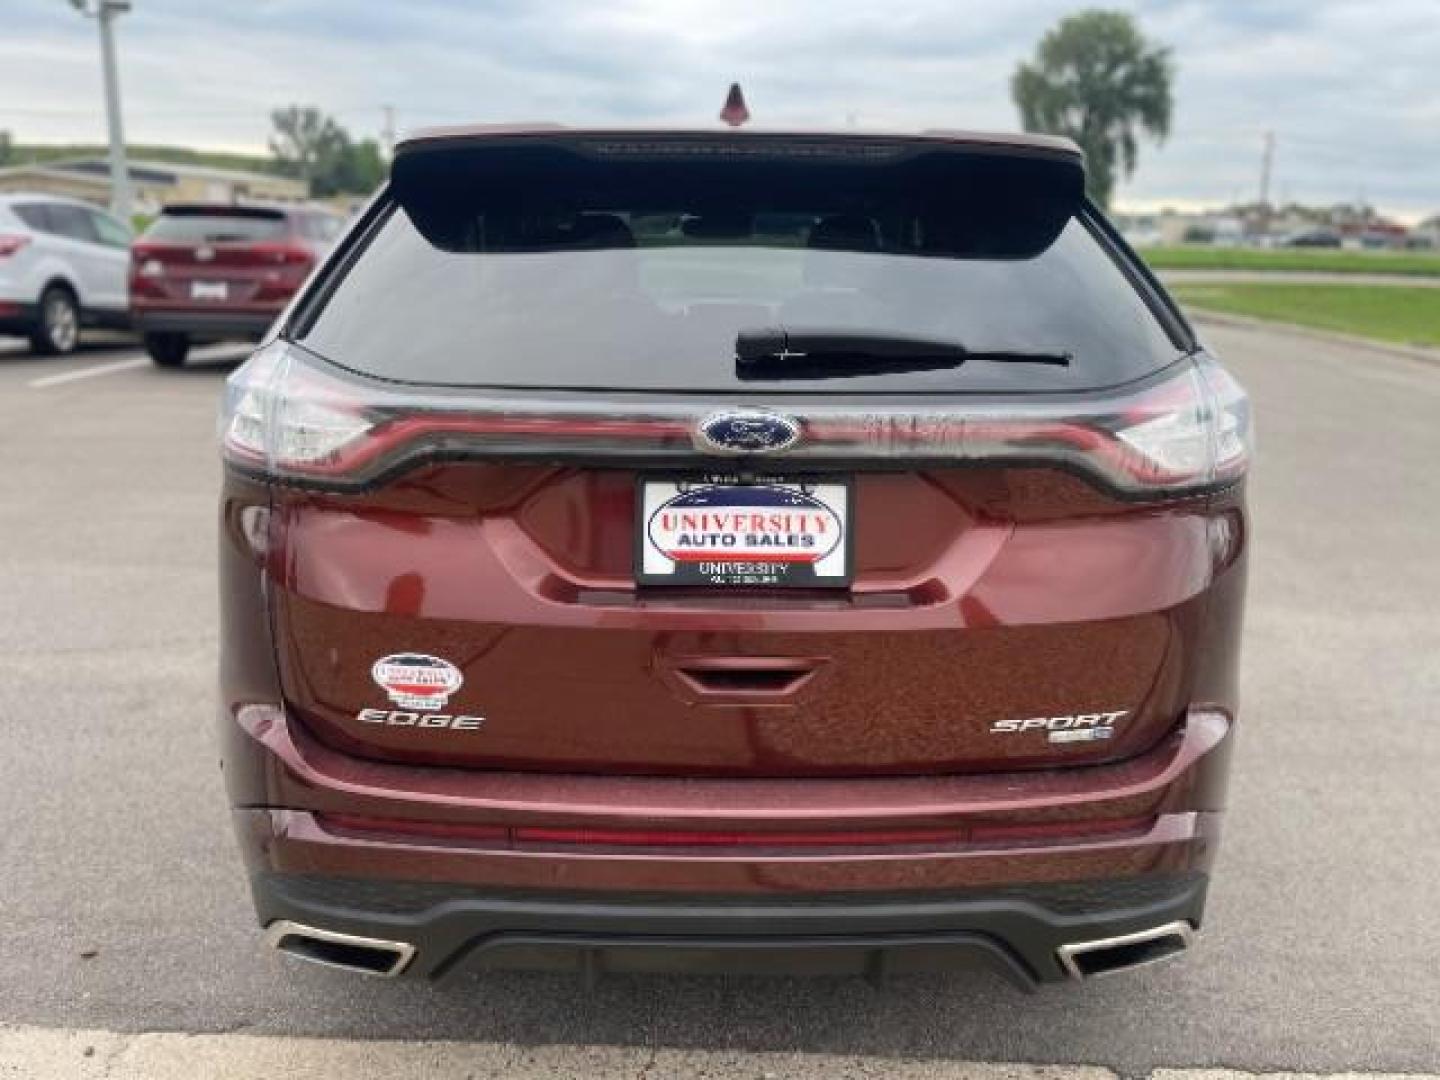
104	12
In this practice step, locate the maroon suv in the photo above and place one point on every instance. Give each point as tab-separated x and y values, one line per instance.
696	549
206	271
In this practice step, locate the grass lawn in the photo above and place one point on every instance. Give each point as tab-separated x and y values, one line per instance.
1323	260
1406	314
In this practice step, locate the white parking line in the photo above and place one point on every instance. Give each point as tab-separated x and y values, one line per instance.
109	368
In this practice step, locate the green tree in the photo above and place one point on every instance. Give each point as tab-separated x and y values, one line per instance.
1097	80
7	148
358	171
312	146
307	143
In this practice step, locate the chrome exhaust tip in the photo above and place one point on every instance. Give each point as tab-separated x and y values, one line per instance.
348	952
1106	956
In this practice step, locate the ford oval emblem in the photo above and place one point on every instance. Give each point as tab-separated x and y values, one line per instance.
747	431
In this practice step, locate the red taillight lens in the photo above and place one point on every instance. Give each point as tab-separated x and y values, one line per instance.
283	254
145	263
11	243
288	415
287	424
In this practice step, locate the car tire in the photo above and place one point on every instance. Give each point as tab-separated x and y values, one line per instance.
167	350
57	331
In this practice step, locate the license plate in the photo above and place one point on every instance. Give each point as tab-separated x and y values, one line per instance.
731	532
209	290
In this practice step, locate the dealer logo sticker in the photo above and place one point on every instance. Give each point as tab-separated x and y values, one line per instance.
417	680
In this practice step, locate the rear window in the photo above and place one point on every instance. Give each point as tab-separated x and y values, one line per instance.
566	269
319	227
34	215
184	226
71	222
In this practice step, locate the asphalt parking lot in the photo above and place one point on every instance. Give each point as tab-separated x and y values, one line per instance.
124	907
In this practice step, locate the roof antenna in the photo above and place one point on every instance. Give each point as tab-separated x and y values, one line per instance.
735	113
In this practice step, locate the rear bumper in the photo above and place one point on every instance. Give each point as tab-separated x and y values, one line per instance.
316	829
18	316
203	324
1018	933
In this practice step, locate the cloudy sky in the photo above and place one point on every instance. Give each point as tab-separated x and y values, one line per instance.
1351	88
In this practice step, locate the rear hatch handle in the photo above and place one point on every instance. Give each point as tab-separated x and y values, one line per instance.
740	680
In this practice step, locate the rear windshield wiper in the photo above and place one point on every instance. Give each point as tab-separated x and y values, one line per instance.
776	353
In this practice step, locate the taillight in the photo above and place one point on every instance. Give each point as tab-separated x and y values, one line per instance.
283	254
10	243
284	424
296	419
145	262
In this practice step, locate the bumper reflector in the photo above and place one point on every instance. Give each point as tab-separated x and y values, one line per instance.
521	836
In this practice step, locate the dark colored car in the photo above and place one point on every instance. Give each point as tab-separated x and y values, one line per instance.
699	549
210	271
1311	238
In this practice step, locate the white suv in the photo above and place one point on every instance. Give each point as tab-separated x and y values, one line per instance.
63	264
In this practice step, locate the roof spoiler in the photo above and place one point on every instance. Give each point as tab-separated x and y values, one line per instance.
454	135
978	194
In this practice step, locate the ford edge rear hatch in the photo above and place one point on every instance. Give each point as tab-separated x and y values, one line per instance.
742	455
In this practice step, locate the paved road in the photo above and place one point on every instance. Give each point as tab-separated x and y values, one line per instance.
123	902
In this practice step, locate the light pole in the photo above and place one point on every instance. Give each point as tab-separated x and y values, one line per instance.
104	12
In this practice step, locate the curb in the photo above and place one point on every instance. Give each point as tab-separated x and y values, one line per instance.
59	1054
1424	353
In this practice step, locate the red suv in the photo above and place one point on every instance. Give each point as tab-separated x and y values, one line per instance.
699	549
214	270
